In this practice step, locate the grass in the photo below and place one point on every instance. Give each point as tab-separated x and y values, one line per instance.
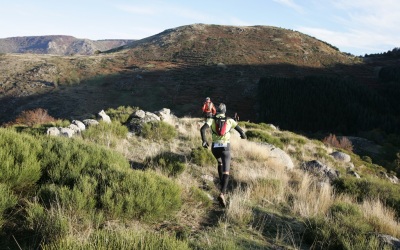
86	194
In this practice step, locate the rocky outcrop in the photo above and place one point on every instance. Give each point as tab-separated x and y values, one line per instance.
140	117
104	117
340	156
320	170
277	156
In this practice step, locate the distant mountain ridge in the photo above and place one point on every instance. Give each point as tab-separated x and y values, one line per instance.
58	45
176	68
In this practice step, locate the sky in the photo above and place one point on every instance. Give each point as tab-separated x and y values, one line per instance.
358	27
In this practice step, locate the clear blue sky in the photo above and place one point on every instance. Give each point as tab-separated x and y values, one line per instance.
353	26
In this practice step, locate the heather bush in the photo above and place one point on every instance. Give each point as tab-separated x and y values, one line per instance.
261	136
365	188
169	163
140	195
7	201
106	134
344	228
121	114
158	131
19	163
46	225
200	197
107	239
202	157
34	117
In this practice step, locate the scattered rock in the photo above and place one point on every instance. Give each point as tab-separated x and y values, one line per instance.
104	117
320	170
340	156
53	131
90	122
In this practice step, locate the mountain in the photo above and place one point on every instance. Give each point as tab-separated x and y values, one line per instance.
58	45
177	68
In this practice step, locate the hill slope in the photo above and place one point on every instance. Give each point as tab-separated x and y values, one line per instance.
58	45
176	68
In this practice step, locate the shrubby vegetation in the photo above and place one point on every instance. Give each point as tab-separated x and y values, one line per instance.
158	131
59	180
83	193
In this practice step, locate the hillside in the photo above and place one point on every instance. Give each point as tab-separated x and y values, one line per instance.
57	45
176	68
107	187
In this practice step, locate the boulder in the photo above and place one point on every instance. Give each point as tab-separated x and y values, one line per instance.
90	122
320	170
53	131
80	125
75	128
340	156
136	121
67	132
104	117
277	156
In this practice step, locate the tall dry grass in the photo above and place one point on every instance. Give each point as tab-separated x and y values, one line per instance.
381	217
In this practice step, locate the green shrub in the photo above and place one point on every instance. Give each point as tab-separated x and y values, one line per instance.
106	134
344	230
65	160
200	197
260	136
19	163
141	195
158	131
366	158
121	114
121	240
260	126
387	192
170	163
7	201
203	157
47	225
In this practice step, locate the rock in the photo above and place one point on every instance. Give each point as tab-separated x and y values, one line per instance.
80	125
135	123
138	114
340	156
389	240
90	122
354	173
320	170
53	131
67	132
278	156
104	117
75	128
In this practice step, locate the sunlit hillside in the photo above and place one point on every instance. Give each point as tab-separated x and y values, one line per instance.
109	187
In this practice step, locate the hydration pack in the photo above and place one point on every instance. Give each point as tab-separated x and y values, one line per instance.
220	125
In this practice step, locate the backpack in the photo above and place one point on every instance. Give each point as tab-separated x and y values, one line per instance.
220	125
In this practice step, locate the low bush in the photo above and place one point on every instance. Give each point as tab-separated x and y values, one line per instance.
19	163
169	163
362	189
260	136
121	240
106	134
345	229
260	126
140	195
121	114
202	157
7	201
200	197
158	131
